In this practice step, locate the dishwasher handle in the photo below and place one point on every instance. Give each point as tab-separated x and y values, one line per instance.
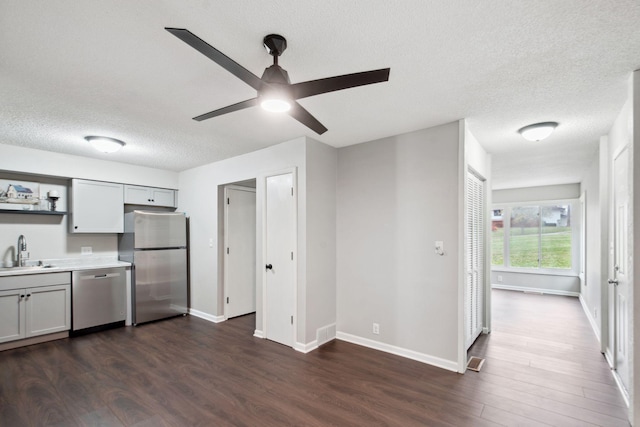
100	276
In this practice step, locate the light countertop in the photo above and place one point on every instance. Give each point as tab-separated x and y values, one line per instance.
64	265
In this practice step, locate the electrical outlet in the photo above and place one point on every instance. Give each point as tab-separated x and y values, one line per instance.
210	243
376	328
439	247
86	250
499	278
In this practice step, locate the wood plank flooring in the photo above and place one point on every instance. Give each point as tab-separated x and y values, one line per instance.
542	368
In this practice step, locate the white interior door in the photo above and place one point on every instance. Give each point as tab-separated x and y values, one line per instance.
620	280
240	255
474	254
280	238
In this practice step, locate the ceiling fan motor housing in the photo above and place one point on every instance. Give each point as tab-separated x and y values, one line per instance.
276	75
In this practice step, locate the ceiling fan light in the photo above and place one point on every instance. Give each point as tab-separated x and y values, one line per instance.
105	144
538	131
275	105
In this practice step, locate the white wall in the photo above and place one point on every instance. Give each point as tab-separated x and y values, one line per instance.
28	160
395	197
46	235
535	194
591	289
322	164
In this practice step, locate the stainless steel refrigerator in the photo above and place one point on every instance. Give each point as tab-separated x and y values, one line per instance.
155	242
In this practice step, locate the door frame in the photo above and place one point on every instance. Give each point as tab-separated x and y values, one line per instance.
262	182
225	269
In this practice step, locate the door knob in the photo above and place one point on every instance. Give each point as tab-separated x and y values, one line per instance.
268	266
613	282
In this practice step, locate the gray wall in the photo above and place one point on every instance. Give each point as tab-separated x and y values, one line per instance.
322	165
395	197
316	165
199	199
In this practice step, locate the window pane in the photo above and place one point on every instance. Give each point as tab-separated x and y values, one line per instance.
524	236
555	239
497	237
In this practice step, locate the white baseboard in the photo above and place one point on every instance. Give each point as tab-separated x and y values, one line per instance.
449	365
590	318
305	348
623	391
258	333
609	357
536	290
206	316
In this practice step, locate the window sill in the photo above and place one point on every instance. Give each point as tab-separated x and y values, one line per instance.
541	272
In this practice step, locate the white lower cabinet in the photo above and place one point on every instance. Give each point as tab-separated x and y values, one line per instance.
32	311
12	319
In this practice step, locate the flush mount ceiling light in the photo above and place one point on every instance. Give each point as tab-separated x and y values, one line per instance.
105	144
537	131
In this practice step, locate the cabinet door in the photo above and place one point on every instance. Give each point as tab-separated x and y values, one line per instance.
134	195
148	196
12	315
162	197
97	207
48	310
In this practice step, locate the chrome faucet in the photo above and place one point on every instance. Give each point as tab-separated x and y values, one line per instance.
23	255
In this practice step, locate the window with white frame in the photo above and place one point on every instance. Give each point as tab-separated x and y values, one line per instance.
533	236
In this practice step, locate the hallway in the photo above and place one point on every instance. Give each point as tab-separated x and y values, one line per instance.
543	363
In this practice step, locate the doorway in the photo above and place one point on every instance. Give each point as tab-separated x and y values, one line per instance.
239	250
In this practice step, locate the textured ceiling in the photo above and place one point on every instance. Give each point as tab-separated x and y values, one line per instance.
75	68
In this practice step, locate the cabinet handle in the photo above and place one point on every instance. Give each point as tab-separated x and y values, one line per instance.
28	295
21	296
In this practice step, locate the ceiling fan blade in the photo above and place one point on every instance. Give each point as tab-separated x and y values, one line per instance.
215	55
330	84
305	117
229	109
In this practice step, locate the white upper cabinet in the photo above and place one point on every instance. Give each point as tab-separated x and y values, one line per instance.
96	207
149	196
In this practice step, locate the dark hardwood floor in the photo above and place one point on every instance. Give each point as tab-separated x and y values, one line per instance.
542	368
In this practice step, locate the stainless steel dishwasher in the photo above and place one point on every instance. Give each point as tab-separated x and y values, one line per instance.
98	299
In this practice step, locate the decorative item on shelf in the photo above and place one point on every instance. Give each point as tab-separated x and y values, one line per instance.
53	196
19	195
44	203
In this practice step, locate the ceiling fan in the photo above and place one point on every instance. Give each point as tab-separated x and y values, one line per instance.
275	90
